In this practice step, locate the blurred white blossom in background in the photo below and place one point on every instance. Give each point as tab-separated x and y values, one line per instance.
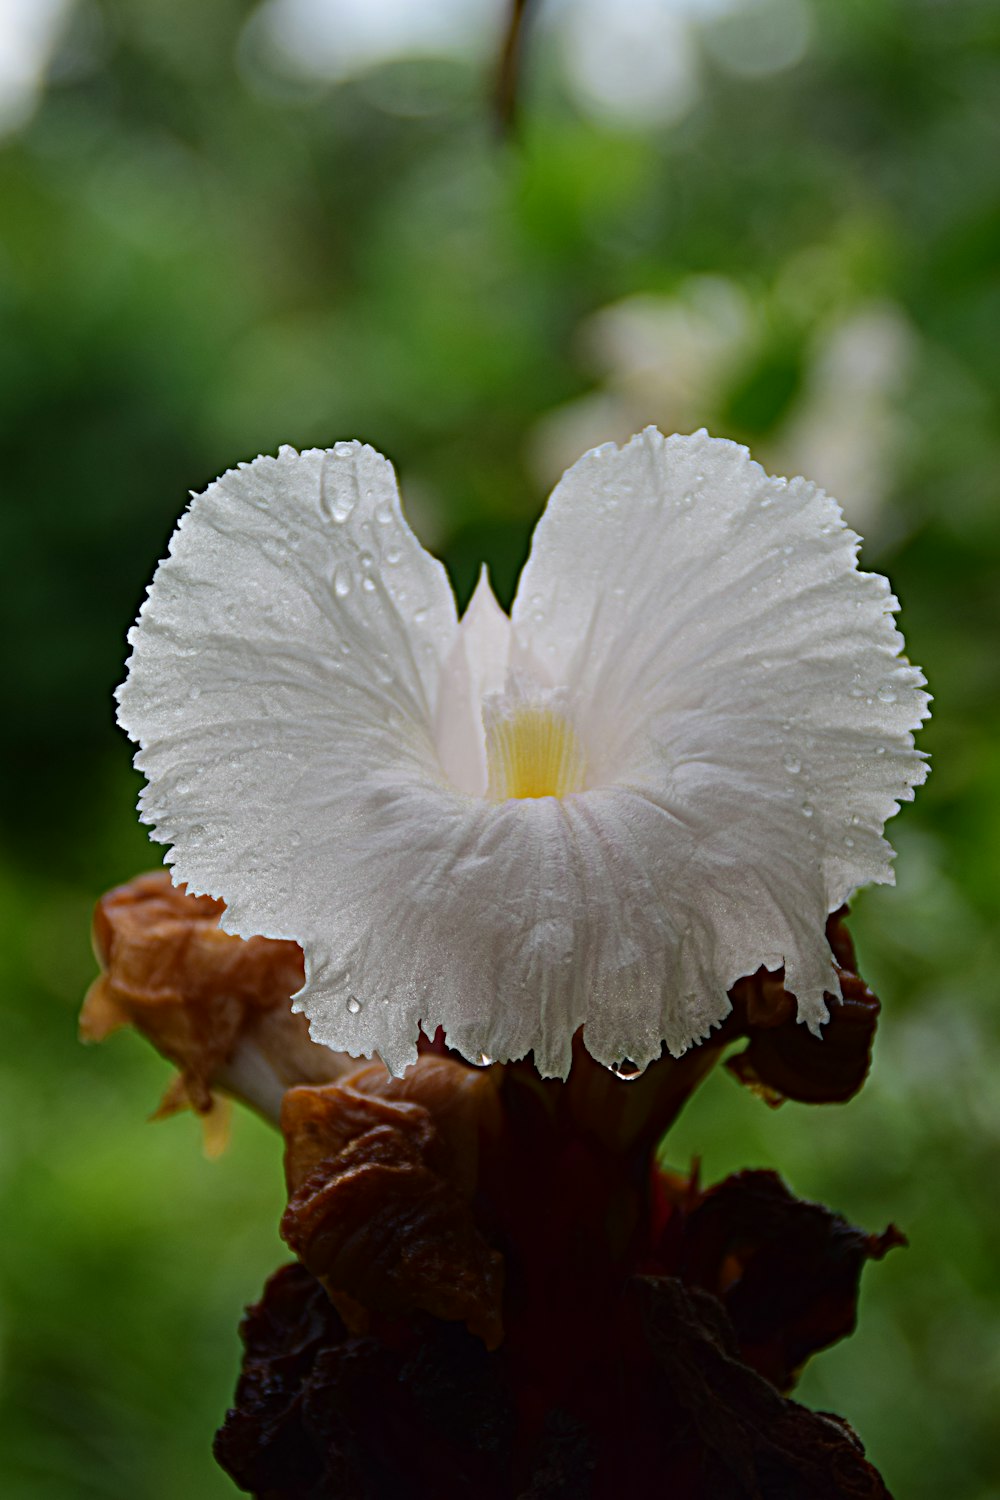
29	32
670	360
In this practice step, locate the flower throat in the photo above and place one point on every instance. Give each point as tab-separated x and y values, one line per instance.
532	750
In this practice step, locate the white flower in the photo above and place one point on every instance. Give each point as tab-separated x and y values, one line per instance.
664	770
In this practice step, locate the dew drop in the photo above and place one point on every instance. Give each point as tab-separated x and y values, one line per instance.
342	581
420	615
886	695
367	561
626	1071
354	1005
791	763
807	809
194	692
879	749
383	513
336	502
393	556
368	584
482	1060
848	843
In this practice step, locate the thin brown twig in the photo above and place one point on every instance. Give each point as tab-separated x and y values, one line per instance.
509	70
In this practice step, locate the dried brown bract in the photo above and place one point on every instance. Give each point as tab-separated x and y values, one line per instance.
786	1061
669	1410
381	1173
217	1006
786	1271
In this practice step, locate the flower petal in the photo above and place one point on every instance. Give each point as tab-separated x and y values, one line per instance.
475	666
738	681
285	666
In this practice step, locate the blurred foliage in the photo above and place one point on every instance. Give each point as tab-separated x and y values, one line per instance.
202	256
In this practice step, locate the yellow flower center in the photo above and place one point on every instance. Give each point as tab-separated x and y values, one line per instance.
531	751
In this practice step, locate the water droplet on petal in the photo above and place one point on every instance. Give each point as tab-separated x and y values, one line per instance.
807	809
354	1005
367	561
420	615
383	512
368	584
879	749
393	556
848	843
626	1071
791	763
194	692
886	695
342	581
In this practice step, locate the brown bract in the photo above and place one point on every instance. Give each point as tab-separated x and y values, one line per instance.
786	1271
217	1006
654	1400
381	1173
783	1059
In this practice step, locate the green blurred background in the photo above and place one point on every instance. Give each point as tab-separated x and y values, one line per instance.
228	225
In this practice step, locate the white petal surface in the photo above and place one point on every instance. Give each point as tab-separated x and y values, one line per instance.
738	684
476	665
